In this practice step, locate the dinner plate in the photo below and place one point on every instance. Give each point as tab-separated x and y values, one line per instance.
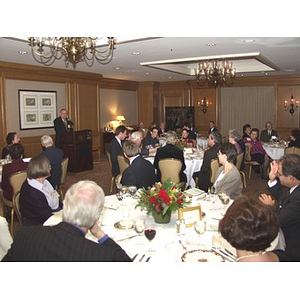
124	224
201	255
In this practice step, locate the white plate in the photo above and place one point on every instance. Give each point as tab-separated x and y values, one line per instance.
201	255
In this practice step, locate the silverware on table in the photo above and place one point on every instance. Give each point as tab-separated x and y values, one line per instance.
183	245
107	207
224	255
126	238
230	253
142	257
135	257
148	259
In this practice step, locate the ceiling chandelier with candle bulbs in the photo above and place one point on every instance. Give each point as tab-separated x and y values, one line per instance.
215	74
47	50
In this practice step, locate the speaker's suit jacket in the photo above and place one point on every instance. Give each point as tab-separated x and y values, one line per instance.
170	151
288	212
55	156
265	137
115	149
205	171
60	128
62	242
141	173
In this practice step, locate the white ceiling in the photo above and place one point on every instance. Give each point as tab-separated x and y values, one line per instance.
282	53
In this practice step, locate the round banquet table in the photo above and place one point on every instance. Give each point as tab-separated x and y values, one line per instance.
192	163
166	242
275	151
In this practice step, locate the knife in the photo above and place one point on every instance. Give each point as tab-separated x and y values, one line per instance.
135	257
142	257
230	253
225	255
148	259
126	238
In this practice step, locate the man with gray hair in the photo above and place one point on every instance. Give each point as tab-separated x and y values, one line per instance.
55	156
137	137
66	241
203	176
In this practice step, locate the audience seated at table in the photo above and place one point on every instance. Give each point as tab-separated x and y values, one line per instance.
250	227
192	134
170	150
284	186
228	178
185	137
55	156
38	199
16	152
151	140
162	129
137	136
235	139
11	138
268	133
295	138
246	132
5	237
141	172
115	149
66	241
257	151
202	177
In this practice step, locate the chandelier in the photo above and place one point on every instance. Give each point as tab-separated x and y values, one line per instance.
213	74
292	106
46	50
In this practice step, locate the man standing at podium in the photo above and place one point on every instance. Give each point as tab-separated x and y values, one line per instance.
62	124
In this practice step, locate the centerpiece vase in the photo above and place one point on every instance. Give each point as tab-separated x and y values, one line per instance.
160	218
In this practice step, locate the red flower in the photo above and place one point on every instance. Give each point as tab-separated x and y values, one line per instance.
162	194
179	200
158	207
152	200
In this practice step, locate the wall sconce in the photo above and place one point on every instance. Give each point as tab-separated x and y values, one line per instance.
203	104
292	106
120	119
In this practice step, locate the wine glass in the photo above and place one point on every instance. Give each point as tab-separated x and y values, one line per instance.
132	190
200	227
139	227
126	213
124	190
150	233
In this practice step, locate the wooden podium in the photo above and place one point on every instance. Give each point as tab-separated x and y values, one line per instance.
77	145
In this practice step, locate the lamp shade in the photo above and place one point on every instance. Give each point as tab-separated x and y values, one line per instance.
120	118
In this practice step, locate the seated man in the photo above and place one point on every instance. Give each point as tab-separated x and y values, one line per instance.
151	140
137	137
268	133
141	172
55	156
203	176
66	241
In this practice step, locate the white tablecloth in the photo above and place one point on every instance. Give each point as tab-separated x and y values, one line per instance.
166	242
274	150
201	142
193	164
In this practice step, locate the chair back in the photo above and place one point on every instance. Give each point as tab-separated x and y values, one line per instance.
239	160
170	168
108	158
64	170
297	150
16	180
214	167
16	202
123	163
292	150
112	177
247	153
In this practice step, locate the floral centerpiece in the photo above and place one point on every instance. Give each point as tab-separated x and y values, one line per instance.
161	199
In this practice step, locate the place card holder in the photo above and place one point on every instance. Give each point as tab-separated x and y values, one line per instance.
190	215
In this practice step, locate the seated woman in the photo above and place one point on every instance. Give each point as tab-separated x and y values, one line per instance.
246	132
235	139
38	199
257	151
295	138
185	137
16	152
228	177
250	226
11	138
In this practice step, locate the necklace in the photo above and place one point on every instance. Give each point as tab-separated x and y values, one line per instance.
250	255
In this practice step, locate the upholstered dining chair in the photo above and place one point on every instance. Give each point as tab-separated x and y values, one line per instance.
64	171
248	160
112	177
239	160
16	180
214	167
123	163
170	168
292	150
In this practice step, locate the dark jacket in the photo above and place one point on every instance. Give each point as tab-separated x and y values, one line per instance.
62	242
60	128
115	149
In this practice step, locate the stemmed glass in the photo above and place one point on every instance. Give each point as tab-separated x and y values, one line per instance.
132	190
200	227
139	228
126	213
150	232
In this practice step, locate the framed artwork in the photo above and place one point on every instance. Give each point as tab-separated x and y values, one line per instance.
37	109
190	215
177	115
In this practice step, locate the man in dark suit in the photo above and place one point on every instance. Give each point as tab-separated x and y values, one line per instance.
141	172
115	149
268	133
203	176
212	127
66	241
55	156
286	192
62	124
170	151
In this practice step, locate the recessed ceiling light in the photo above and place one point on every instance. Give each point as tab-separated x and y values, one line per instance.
211	44
136	53
249	41
118	68
22	52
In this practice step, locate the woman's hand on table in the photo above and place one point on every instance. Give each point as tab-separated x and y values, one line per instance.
97	231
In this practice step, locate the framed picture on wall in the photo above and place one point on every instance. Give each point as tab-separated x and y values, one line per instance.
37	109
177	115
